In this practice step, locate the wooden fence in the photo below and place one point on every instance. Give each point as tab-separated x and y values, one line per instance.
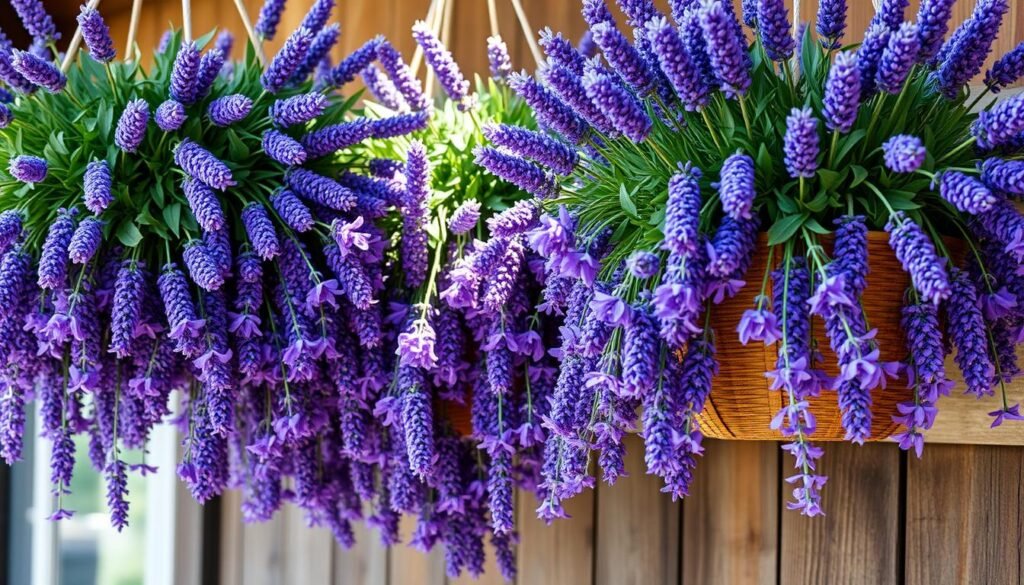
954	517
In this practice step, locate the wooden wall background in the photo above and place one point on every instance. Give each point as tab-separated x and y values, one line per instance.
954	517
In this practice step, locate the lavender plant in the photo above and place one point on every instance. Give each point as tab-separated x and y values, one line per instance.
707	142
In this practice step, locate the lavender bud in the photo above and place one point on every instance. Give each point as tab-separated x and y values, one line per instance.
399	125
202	266
185	75
726	47
320	189
801	144
319	49
283	148
736	189
621	107
560	51
381	88
643	264
53	259
569	87
298	109
831	22
623	57
903	153
287	60
968	333
131	127
498	60
526	143
260	231
916	253
292	211
1001	124
127	308
36	20
269	18
465	217
400	74
330	139
521	173
773	26
86	240
876	39
225	111
1004	175
898	58
440	60
358	60
40	72
170	115
932	25
968	51
682	211
842	93
96	35
550	110
204	204
224	42
11	229
967	194
27	168
677	64
202	165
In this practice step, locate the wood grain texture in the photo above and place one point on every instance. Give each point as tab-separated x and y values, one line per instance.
265	545
857	541
731	517
964	419
309	549
964	516
408	565
232	544
366	563
637	528
560	553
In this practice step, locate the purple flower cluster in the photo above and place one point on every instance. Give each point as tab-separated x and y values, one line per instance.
915	250
39	71
131	126
96	35
830	23
842	93
440	60
904	153
801	144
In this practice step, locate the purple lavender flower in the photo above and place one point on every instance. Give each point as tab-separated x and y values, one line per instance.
569	87
440	60
224	42
1000	125
260	230
969	49
732	244
966	193
96	35
202	266
624	58
560	51
170	115
400	74
292	211
204	204
924	341
27	168
515	220
38	71
185	75
526	143
1004	175
465	217
550	111
726	47
773	26
968	332
595	11
36	20
381	87
202	165
677	64
283	148
269	18
320	189
319	50
682	212
586	45
10	75
416	345
890	13
831	22
127	309
869	55
86	240
185	325
14	278
523	174
640	353
117	492
758	325
898	58
11	228
318	15
5	115
619	105
736	189
801	143
643	264
298	109
904	153
225	111
916	252
355	62
418	423
501	494
498	60
498	287
53	258
287	60
1008	69
842	93
330	139
932	25
399	125
12	423
131	127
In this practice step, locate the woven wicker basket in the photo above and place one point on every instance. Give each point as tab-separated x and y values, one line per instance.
741	404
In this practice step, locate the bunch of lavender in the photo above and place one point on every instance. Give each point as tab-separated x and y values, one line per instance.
674	175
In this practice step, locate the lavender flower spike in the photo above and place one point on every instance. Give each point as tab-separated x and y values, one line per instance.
801	144
682	212
622	107
677	64
773	26
968	50
131	127
876	39
1001	124
225	111
283	148
831	22
292	211
903	153
726	47
547	151
201	164
36	20
42	73
440	60
736	189
967	194
842	93
499	62
623	57
204	204
465	217
400	74
269	18
96	35
185	75
260	231
917	254
86	240
287	60
127	308
96	185
27	168
523	174
1008	69
1004	175
898	58
298	109
932	25
967	330
549	109
53	258
202	267
170	115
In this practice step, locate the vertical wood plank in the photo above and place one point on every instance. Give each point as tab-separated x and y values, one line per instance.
491	576
408	565
637	527
308	549
560	553
264	545
965	516
857	541
231	539
730	518
366	563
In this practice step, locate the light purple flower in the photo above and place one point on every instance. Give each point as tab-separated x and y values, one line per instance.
621	107
499	63
298	109
202	165
966	193
38	71
27	168
773	26
96	35
801	143
170	115
726	47
903	153
440	60
465	217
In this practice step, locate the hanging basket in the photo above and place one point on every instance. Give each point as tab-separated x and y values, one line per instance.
741	404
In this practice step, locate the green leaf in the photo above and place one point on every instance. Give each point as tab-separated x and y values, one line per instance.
859	174
129	235
172	217
626	201
829	179
813	225
784	228
849	142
